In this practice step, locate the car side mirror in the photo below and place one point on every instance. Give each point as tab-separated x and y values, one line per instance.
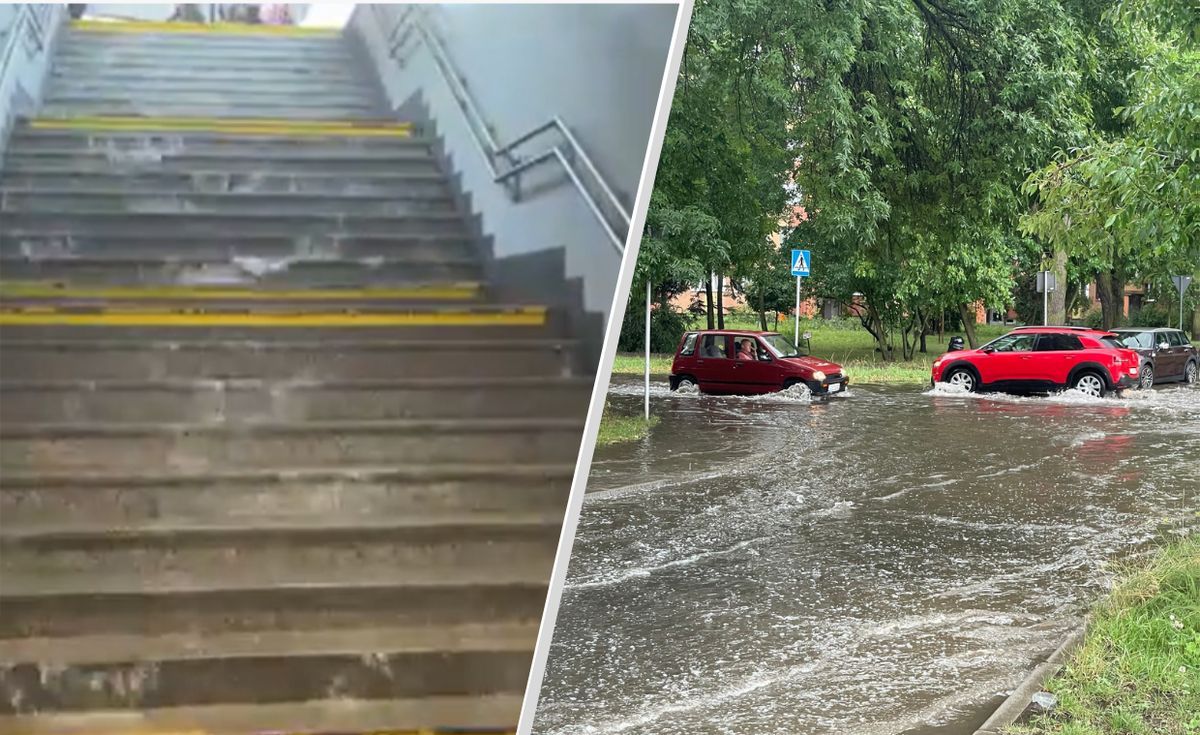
1164	346
987	350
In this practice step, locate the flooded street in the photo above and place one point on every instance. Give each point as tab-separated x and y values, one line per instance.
886	562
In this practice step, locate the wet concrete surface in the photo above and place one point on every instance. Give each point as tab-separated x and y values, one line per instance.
890	561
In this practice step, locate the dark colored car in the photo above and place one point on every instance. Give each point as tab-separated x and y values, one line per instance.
1041	360
717	361
1167	355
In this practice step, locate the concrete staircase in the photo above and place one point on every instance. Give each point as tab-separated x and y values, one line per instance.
273	458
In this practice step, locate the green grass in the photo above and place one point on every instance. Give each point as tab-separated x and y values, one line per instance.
1138	670
849	346
616	428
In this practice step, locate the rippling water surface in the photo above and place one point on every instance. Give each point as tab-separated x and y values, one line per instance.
888	561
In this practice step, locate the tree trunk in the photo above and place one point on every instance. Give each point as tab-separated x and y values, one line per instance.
708	300
1057	311
1071	293
720	301
873	323
967	312
1110	289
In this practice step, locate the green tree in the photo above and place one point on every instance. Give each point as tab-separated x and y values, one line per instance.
912	170
1126	205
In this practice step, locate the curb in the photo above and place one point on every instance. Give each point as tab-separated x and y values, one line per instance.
1011	709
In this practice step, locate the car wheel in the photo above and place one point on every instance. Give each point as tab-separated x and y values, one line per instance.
1147	380
1191	373
686	385
1090	384
961	377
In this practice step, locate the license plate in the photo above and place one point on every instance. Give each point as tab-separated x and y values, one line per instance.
835	387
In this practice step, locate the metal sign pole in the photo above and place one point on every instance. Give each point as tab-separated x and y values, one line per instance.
1181	285
647	348
797	339
1181	290
1045	298
801	267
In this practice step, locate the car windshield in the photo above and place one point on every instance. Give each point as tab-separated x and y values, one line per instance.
781	346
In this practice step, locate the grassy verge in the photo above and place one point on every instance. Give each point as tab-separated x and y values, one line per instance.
615	428
852	348
1138	670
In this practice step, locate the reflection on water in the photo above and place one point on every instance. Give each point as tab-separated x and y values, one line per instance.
886	560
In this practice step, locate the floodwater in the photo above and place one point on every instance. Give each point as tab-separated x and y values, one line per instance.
890	561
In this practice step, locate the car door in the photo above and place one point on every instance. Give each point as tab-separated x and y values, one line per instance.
1177	353
1008	359
1054	357
760	375
713	371
1161	356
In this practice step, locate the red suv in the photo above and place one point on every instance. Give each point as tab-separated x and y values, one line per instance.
749	362
1043	359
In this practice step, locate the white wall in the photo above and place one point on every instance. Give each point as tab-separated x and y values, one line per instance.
23	65
598	67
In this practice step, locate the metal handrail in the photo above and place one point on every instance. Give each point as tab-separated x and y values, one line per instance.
617	228
29	23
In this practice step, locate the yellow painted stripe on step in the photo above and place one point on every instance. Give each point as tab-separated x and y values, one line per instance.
247	126
527	316
232	29
436	292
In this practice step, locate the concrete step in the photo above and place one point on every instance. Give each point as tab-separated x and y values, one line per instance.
196	224
483	714
256	62
30	139
296	109
288	85
77	40
166	202
131	74
261	252
467	599
372	663
109	46
45	354
119	402
62	89
17	293
60	178
206	329
263	561
216	156
158	447
298	164
421	265
417	493
357	102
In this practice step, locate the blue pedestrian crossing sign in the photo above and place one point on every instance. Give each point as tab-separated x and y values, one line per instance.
801	263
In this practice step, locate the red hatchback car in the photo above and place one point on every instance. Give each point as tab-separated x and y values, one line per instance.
1043	359
736	362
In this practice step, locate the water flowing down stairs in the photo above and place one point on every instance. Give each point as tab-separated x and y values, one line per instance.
273	457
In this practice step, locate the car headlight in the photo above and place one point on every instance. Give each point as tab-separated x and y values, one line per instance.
818	375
